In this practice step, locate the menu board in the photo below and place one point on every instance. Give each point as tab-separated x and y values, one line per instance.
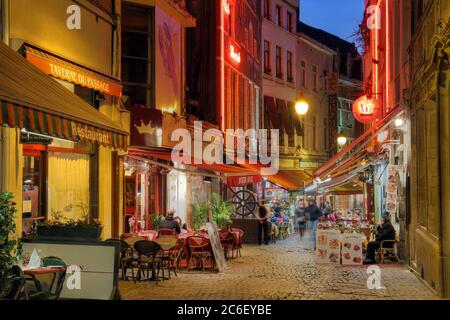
352	249
328	246
392	188
216	246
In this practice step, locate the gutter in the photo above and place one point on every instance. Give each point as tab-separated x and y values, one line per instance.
5	21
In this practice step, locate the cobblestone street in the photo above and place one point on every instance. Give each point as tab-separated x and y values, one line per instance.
281	271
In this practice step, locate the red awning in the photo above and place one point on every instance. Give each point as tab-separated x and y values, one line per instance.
227	169
241	181
358	144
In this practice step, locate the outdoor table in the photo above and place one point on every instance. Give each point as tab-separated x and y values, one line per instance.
34	272
166	242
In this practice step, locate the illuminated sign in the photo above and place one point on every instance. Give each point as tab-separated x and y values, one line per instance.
366	110
235	55
226	7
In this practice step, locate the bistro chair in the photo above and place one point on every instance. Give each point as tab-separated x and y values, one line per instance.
56	285
171	257
228	241
238	243
199	250
388	249
148	259
167	232
128	258
17	289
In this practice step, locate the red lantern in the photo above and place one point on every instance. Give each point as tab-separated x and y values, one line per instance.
366	110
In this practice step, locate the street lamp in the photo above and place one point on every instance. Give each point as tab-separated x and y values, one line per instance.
341	139
301	107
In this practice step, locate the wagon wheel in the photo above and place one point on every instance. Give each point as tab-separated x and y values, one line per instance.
244	202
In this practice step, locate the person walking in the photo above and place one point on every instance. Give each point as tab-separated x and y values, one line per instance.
314	213
301	219
263	219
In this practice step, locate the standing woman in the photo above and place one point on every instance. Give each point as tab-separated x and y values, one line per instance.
263	219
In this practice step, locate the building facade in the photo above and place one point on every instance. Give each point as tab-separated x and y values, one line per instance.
405	68
59	165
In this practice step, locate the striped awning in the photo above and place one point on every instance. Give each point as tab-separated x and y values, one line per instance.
31	100
32	120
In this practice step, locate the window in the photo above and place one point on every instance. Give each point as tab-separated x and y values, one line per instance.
325	82
303	73
289	21
278	16
289	66
267	57
278	65
315	79
267	9
137	48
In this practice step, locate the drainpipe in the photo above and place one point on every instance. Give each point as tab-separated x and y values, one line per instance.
5	21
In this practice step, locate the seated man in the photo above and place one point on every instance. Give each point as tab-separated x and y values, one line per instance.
170	223
385	232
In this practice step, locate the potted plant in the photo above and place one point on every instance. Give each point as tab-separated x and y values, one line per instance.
221	211
156	221
10	249
199	213
63	228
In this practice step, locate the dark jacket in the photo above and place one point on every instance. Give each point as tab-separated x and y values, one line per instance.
170	223
314	212
387	232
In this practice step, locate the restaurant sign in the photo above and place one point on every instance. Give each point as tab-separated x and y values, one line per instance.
366	109
76	75
243	180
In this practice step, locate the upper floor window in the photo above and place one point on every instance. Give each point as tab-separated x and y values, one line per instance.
325	81
290	78
267	4
289	21
278	20
267	57
303	73
315	78
278	61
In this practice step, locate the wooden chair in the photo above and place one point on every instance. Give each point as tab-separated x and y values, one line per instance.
238	243
199	249
228	240
388	249
17	290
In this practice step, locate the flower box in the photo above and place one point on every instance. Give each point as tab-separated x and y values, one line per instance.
69	232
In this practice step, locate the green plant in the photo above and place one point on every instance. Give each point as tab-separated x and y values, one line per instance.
221	211
156	220
199	213
10	249
59	220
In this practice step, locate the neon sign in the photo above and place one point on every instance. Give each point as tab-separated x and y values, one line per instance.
365	109
236	56
226	7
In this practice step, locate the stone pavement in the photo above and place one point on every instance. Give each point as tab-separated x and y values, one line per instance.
281	271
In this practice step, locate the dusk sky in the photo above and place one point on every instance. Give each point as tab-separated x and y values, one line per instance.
339	17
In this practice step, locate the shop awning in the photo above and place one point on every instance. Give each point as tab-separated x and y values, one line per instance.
348	188
32	100
291	180
226	169
359	144
65	70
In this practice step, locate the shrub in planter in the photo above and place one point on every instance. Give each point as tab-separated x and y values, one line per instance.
10	249
60	227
